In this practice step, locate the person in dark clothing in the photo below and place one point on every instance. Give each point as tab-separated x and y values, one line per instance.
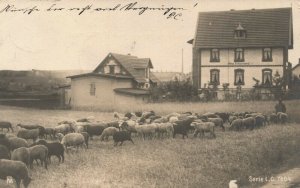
280	107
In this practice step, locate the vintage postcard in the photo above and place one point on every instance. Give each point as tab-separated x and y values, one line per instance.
150	93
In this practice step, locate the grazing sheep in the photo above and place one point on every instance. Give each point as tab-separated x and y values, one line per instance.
31	127
4	152
165	128
218	122
113	124
273	118
260	121
236	125
38	152
29	134
129	126
128	115
4	141
173	119
49	131
249	123
182	127
63	128
122	136
15	169
204	127
21	154
146	130
282	117
73	139
16	142
224	116
146	115
54	149
59	136
86	138
6	125
109	131
95	129
161	120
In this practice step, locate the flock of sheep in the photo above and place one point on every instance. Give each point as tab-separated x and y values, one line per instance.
16	154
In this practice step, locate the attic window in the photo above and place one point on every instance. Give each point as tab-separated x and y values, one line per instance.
239	32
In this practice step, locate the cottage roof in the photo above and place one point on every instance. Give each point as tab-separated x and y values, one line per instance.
264	27
132	64
100	75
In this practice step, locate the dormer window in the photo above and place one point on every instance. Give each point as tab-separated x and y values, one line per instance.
239	32
111	69
214	55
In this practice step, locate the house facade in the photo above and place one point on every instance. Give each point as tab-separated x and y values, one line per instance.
296	70
242	47
117	80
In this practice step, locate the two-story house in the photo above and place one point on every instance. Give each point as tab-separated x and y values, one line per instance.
118	79
238	47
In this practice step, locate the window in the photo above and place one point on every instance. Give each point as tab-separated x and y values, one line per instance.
267	77
239	32
111	69
239	77
214	55
267	54
92	89
239	55
215	76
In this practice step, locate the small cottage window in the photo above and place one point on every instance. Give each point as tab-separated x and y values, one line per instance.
214	55
267	54
215	76
239	32
239	55
239	77
267	77
111	69
92	89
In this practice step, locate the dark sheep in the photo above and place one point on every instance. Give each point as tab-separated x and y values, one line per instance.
38	152
128	115
4	141
6	125
95	129
83	120
86	138
224	116
29	134
54	149
182	127
15	169
138	114
49	131
236	125
21	154
273	118
249	123
260	121
122	136
4	152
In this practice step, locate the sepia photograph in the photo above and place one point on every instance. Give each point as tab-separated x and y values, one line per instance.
150	94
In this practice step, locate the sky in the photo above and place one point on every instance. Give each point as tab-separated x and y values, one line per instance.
64	40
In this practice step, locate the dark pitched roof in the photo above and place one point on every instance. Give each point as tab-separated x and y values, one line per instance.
100	75
131	64
264	27
132	91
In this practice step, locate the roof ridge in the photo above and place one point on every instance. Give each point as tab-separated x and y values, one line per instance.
245	10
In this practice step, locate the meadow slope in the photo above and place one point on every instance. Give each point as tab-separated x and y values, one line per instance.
191	162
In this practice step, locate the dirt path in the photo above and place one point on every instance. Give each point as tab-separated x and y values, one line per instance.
288	179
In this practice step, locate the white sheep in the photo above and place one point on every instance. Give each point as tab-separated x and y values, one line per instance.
147	130
73	139
109	131
173	119
63	128
165	128
204	127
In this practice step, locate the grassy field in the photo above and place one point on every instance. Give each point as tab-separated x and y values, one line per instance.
191	162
